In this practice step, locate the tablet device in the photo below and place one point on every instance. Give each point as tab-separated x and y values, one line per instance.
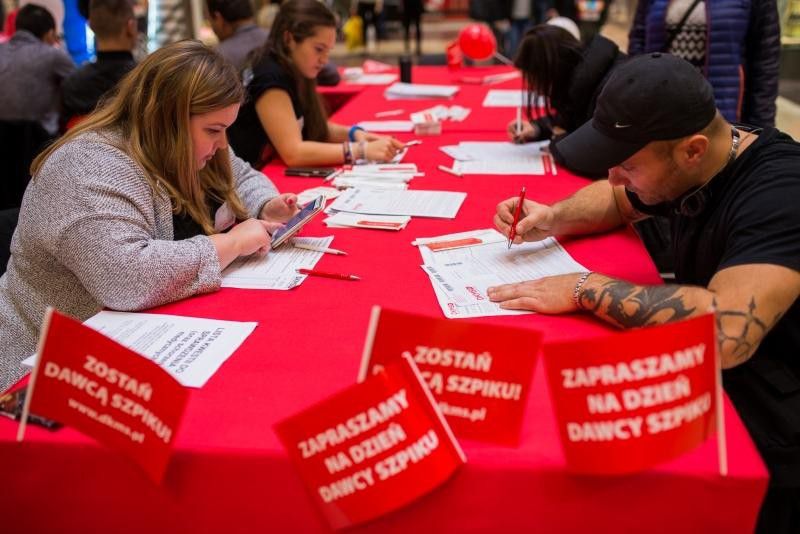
294	224
314	172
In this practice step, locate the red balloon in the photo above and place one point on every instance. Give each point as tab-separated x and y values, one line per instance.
477	42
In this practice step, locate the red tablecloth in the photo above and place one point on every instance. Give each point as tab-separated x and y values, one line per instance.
470	95
230	473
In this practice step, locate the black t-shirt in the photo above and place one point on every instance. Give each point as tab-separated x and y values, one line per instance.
751	215
82	90
184	227
247	135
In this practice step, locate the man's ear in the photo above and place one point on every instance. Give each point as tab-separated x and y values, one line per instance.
694	149
132	29
50	37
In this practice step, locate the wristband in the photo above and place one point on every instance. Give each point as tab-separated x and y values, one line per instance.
348	155
352	133
577	293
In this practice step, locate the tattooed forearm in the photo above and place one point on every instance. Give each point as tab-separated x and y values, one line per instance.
629	305
740	331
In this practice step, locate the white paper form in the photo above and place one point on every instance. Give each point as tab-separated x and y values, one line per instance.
462	275
415	203
372	79
501	150
509	98
479	309
533	165
188	348
402	90
276	270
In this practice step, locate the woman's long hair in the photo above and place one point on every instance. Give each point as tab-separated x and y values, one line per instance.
151	107
299	20
547	57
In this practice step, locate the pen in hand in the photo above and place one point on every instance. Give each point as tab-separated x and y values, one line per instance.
512	233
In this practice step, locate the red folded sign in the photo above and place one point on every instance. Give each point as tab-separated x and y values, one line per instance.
479	374
89	382
371	448
629	401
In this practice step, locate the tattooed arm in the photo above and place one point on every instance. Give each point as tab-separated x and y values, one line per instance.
748	299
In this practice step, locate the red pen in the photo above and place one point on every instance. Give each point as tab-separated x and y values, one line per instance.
513	232
338	276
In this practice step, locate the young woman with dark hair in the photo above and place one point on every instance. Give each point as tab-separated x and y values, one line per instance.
284	115
566	74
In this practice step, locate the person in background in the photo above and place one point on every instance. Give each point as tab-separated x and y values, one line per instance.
735	43
234	25
730	193
32	70
115	31
136	206
370	12
568	75
412	14
283	114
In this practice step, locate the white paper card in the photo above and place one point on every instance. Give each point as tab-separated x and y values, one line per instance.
402	90
415	203
188	348
372	79
532	165
464	274
276	270
373	222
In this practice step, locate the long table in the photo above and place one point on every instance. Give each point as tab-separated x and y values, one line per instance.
230	473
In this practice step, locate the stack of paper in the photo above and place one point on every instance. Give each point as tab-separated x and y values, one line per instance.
372	79
443	204
500	158
440	113
372	73
510	98
461	275
407	91
276	270
380	176
373	222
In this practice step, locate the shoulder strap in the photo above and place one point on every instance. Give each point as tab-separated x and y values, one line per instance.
675	31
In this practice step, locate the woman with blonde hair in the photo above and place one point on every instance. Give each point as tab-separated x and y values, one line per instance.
127	210
283	114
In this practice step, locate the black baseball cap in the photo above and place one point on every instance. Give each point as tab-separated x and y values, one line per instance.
653	97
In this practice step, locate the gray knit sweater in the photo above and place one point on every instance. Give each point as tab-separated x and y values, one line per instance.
91	235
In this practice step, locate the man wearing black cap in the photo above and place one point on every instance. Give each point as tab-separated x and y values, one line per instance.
730	193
